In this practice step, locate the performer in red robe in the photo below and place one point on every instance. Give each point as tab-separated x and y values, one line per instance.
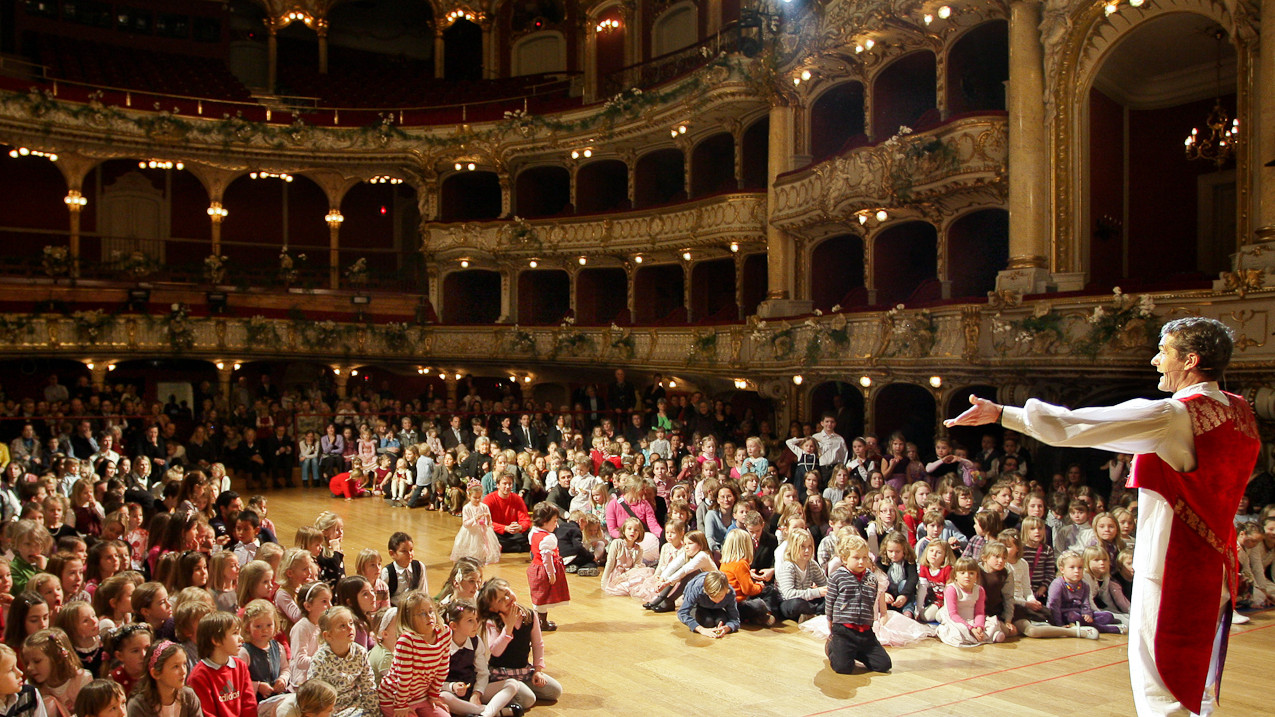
1194	453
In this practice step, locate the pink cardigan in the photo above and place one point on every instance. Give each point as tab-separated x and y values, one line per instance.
616	515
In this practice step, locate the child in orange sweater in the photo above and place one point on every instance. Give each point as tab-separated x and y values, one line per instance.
737	558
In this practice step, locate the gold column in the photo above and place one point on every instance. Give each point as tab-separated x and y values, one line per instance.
781	260
739	285
97	375
272	55
74	203
334	220
573	273
439	46
687	270
342	376
322	31
452	385
225	379
216	214
1029	229
1265	142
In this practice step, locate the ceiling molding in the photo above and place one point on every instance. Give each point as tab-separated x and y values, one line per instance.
1170	89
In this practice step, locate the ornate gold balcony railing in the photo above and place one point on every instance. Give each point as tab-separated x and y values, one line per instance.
963	156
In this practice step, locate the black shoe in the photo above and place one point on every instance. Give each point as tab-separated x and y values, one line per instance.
572	569
514	709
546	625
648	605
663	606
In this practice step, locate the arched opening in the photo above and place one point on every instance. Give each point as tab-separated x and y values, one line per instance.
977	69
28	378
905	264
182	381
659	178
977	248
602	186
713	165
609	44
470	196
659	294
265	214
909	409
836	273
542	192
161	213
754	278
602	297
971	437
31	197
381	225
544	296
713	291
843	400
472	297
904	94
675	29
1140	111
551	393
836	121
463	51
755	154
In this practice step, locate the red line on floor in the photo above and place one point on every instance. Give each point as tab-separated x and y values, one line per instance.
1014	687
1010	669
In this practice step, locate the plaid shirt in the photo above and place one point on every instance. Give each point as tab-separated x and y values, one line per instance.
851	598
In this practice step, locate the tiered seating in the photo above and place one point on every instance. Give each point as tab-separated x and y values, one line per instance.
129	68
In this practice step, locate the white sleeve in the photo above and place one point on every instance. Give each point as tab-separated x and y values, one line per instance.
1137	426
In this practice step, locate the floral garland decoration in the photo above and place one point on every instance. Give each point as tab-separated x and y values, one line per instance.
1126	324
623	345
703	348
89	325
260	331
395	336
178	327
168	126
522	342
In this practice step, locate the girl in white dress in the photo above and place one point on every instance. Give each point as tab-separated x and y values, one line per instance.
476	538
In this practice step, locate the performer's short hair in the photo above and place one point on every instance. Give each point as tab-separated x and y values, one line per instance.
1210	339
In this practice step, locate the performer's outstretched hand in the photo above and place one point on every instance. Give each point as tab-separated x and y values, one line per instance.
981	412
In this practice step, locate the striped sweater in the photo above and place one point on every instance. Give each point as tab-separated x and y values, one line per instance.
418	670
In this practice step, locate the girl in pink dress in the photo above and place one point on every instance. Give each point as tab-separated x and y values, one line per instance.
624	570
476	538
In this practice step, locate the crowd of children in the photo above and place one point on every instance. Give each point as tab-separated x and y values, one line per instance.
190	604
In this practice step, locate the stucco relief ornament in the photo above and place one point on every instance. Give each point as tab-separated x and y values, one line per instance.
1055	26
298	132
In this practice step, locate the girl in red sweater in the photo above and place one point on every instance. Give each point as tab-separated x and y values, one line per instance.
422	656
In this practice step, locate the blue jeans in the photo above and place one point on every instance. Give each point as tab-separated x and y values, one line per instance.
310	470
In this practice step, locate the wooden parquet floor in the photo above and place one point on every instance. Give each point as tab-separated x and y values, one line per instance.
613	658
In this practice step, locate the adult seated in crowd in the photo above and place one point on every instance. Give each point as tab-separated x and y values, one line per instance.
509	516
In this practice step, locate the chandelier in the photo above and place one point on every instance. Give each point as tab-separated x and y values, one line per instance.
1217	142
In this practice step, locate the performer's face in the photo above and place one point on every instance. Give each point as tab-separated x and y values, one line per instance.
1172	366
